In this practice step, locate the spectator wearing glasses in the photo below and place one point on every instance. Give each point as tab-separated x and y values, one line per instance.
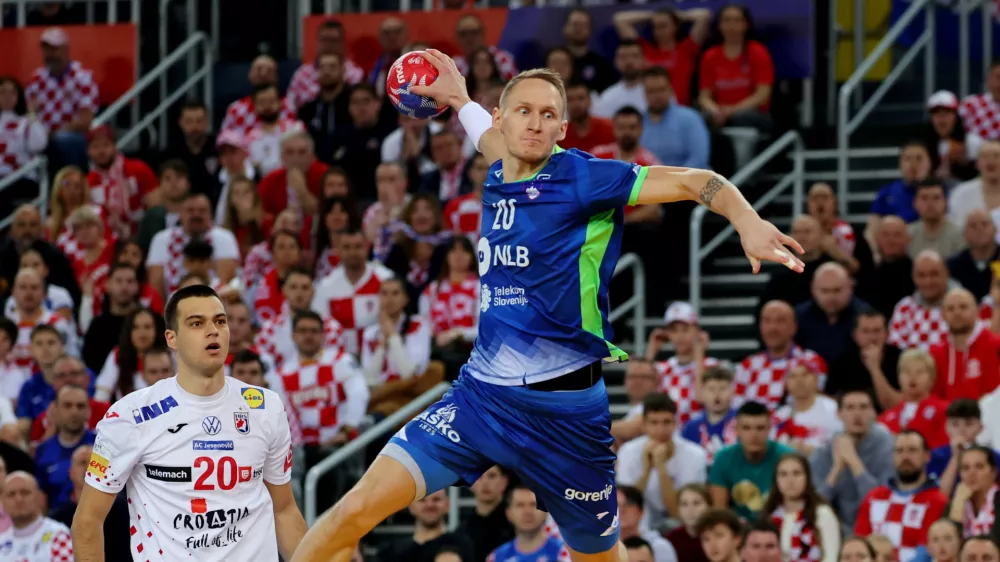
330	40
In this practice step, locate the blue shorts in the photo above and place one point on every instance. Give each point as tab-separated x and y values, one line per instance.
557	443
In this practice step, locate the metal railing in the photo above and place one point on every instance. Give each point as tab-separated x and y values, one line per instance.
845	126
388	425
965	9
796	180
636	304
41	165
211	51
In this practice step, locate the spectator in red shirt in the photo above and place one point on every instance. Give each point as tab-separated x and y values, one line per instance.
678	56
336	216
122	186
463	214
584	131
90	266
65	96
968	361
736	77
918	410
295	185
692	502
287	254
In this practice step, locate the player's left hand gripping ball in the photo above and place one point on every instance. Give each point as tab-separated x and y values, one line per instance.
412	69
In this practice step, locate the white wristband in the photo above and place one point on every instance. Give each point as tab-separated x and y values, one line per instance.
475	120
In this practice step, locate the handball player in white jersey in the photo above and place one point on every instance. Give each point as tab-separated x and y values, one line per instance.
205	459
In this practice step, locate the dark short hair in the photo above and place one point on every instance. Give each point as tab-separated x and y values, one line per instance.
715	517
157	350
72	387
331	24
628	111
198	250
991	458
915	143
627	43
194	105
632	496
978	538
248	356
43	329
964	409
931	182
364	87
261	88
920	436
575	83
306	315
717	373
579	10
119	265
175	165
637	542
515	486
867	312
760	526
656	72
299	270
753	409
7	325
848	392
189	292
658	402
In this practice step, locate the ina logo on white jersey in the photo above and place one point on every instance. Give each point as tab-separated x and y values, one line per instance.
440	422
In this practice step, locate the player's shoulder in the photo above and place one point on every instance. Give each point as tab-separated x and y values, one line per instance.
381	272
146	404
258	398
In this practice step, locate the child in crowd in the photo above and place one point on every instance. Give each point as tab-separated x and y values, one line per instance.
714	426
918	410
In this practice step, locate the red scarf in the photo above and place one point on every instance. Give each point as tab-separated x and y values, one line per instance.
975	524
117	196
805	541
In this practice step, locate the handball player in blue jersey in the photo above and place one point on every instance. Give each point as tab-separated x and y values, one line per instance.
532	398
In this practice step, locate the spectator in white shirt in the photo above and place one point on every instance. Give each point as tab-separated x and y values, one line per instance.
800	513
631	523
396	353
22	137
980	193
640	381
809	419
629	90
264	139
660	462
11	375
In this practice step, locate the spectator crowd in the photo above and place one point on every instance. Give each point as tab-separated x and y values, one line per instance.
341	235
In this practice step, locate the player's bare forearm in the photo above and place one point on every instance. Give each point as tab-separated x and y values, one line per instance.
492	146
666	184
88	539
288	521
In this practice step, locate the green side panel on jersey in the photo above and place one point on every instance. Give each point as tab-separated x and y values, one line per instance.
599	231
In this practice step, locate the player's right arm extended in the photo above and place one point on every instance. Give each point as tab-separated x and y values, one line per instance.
88	524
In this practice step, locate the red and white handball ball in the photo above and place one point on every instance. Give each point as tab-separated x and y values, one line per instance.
409	70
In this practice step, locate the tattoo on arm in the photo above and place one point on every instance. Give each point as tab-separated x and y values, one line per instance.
710	190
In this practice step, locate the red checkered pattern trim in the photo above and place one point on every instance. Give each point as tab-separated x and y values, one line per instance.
453	305
275	336
305	82
677	381
843	233
327	262
980	114
15	141
915	325
316	396
761	378
62	547
464	214
57	100
174	270
504	60
903	519
240	116
21	352
256	264
805	545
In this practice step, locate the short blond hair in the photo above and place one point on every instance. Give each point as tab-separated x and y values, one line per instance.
85	215
916	355
544	74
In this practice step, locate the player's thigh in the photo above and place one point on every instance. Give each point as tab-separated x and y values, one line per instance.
447	443
386	488
616	553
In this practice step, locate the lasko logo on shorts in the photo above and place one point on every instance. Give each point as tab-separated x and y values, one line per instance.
98	467
602	495
168	473
212	445
440	422
211	425
242	421
253	397
147	413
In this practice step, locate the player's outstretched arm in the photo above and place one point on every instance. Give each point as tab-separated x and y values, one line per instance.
288	521
449	89
761	240
88	524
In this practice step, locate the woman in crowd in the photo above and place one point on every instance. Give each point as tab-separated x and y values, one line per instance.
24	137
337	216
121	373
418	249
451	303
335	183
798	511
258	260
69	192
692	502
57	299
736	77
483	74
839	240
974	499
667	49
96	251
858	549
944	541
286	253
245	216
945	135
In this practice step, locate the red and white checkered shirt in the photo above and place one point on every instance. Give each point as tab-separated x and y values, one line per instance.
66	240
677	381
914	324
977	523
21	139
986	308
240	116
450	306
981	115
464	215
761	377
843	233
21	353
902	518
120	191
814	427
354	306
275	336
504	60
805	543
265	144
167	250
326	394
44	540
305	82
327	262
58	99
258	261
416	340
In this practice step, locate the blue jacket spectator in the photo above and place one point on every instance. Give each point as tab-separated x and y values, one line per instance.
896	198
677	135
54	456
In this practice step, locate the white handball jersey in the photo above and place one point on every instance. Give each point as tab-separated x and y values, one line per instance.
194	468
45	540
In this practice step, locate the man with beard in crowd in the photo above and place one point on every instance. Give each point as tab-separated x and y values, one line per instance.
326	117
27	233
361	150
196	148
124	187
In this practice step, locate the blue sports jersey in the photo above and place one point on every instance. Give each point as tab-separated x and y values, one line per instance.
941	456
548	247
52	463
552	551
711	436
